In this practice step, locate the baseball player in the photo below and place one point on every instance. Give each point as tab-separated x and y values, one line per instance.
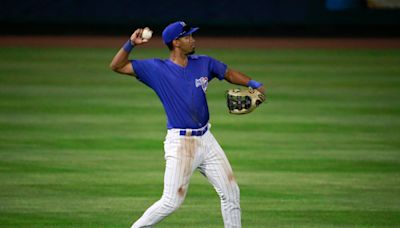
181	82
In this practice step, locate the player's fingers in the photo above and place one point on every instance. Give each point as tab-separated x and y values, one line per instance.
140	33
135	34
136	31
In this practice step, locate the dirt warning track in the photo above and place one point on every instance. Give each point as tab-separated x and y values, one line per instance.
203	42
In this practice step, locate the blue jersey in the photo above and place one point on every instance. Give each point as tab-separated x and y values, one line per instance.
182	90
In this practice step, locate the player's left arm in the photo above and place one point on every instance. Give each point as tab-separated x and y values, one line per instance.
238	78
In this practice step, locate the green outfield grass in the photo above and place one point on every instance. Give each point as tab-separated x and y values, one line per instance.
81	146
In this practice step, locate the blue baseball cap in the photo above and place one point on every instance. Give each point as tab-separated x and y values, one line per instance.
176	30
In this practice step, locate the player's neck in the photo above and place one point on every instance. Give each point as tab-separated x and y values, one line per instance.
178	58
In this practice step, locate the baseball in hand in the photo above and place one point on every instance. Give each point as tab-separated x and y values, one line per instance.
146	34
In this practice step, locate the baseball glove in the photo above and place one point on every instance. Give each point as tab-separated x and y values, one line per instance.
242	101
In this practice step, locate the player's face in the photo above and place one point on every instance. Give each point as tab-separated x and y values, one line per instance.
187	44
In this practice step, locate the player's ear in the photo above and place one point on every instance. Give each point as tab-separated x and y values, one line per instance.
176	43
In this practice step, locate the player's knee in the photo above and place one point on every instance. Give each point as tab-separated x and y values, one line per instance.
172	205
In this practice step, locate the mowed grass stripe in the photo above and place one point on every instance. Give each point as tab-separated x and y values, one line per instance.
81	146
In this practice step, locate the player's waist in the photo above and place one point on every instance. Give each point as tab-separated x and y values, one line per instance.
190	131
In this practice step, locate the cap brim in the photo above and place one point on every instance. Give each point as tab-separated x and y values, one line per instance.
192	30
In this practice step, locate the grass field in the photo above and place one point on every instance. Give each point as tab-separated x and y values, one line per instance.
81	146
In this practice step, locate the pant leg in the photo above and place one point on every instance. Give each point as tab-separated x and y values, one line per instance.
179	156
218	171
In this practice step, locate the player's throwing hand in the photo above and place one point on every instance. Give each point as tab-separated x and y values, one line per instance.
141	36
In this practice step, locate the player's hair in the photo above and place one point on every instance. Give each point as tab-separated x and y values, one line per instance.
170	46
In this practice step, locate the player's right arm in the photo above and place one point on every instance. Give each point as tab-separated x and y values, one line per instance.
120	62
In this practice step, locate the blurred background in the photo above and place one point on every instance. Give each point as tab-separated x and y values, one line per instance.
223	17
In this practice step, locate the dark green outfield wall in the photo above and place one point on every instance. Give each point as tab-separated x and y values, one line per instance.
215	17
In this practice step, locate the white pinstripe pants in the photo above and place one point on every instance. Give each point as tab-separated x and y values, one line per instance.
184	154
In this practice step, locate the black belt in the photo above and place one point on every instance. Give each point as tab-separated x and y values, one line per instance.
193	132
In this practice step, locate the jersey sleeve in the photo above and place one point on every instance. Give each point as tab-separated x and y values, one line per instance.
144	71
217	68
